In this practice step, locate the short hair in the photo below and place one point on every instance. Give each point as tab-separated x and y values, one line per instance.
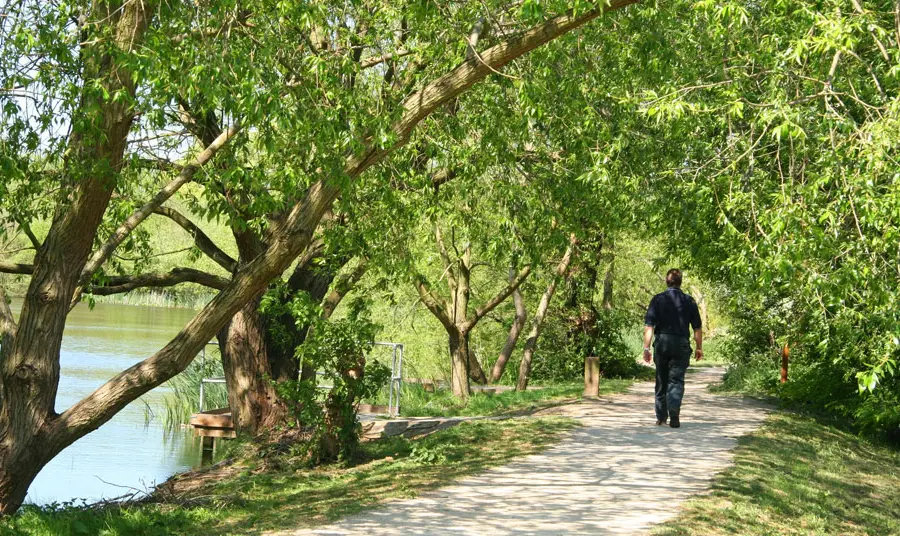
673	278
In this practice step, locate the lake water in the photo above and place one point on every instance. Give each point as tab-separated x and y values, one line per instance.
127	452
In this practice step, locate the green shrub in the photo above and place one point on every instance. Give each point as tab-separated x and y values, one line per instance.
563	347
337	350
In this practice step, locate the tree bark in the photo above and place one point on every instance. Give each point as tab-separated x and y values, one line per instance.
539	315
608	284
514	331
29	372
459	363
252	398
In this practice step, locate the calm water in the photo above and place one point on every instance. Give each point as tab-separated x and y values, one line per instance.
127	452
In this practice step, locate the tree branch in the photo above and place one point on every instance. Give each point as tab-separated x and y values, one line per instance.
127	283
372	62
203	242
342	287
186	175
433	302
31	236
500	297
16	268
448	265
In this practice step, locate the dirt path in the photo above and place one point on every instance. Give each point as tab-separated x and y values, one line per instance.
618	474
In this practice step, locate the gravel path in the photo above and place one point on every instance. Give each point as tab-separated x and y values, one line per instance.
617	474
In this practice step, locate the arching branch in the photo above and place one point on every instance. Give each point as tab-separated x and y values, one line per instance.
203	242
342	287
500	297
186	175
127	283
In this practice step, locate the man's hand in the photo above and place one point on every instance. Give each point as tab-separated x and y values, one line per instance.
698	354
647	355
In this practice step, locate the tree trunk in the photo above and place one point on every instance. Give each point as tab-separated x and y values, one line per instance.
539	316
251	395
476	373
514	332
608	285
459	360
29	371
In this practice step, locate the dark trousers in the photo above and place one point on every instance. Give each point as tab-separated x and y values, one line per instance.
672	356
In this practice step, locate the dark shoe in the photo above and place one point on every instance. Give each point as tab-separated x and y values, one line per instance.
660	423
673	420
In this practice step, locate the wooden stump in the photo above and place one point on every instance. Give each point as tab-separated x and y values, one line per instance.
592	376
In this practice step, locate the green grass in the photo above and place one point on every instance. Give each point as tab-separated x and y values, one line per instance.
798	475
291	497
416	402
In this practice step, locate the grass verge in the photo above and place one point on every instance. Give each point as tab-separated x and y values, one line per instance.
283	496
798	475
416	402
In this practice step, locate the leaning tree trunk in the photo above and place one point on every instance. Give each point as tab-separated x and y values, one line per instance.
29	369
539	316
513	337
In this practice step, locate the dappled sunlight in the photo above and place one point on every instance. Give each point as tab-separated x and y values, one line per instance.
618	474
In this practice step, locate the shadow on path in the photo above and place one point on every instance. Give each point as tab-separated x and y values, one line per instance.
617	474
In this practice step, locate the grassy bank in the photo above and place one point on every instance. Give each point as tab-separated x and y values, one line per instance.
271	493
799	475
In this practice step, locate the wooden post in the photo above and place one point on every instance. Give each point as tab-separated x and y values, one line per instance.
207	445
785	355
591	376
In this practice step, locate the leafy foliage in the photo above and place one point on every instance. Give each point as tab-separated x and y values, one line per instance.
337	352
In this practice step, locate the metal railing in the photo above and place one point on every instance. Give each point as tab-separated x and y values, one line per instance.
394	384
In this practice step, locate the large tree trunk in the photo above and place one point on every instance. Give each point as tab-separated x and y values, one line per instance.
252	397
539	316
29	371
459	361
514	331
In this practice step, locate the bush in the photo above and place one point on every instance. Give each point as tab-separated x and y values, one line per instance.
337	350
562	349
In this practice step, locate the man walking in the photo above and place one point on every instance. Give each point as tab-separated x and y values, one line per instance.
669	315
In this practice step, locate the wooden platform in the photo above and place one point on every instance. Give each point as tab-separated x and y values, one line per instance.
213	423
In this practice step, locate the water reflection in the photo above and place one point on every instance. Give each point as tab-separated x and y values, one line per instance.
127	453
